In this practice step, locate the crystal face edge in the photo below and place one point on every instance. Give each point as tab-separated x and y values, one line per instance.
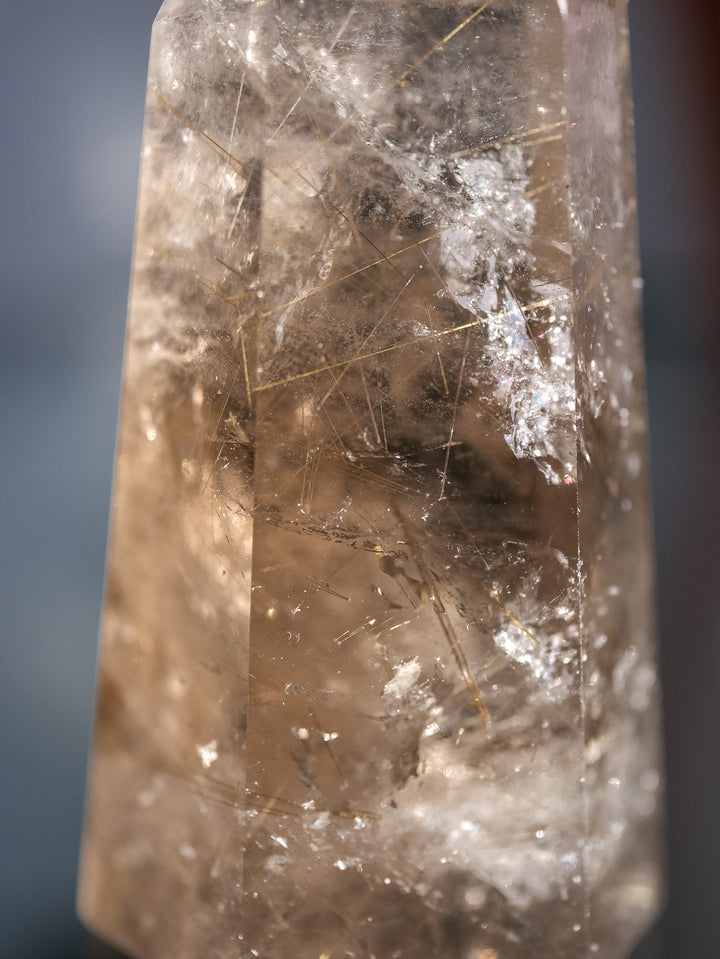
294	458
620	674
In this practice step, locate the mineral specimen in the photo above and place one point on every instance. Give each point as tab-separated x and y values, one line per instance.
377	672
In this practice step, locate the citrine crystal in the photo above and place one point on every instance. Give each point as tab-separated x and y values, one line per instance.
377	672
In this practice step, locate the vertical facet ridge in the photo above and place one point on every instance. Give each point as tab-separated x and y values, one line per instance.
620	684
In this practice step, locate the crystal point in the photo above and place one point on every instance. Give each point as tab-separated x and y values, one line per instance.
377	670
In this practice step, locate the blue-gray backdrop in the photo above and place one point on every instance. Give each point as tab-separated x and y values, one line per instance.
71	103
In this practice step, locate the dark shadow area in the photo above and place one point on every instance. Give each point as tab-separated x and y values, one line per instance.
94	949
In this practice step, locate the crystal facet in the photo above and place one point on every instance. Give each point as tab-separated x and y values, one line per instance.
377	673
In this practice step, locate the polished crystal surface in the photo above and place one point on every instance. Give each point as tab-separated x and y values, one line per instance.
377	673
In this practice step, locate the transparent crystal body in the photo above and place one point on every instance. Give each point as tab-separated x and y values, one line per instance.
377	669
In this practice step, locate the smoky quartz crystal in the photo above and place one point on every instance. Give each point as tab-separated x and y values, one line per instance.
377	673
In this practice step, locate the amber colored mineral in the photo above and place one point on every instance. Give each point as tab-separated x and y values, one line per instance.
377	676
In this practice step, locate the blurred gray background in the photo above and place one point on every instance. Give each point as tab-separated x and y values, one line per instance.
71	104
